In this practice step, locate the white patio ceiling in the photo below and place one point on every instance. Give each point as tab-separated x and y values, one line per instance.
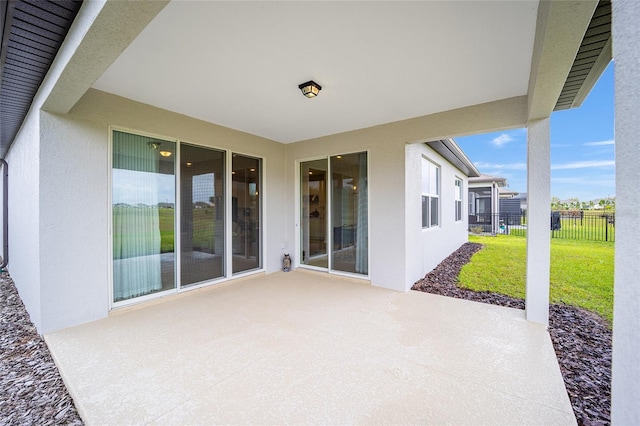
238	64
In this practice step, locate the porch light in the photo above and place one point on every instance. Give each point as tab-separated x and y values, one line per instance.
310	89
166	153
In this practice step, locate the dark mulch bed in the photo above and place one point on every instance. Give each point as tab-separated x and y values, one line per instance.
581	339
31	389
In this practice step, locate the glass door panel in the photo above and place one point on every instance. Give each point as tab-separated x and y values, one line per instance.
143	203
202	210
349	213
245	213
313	212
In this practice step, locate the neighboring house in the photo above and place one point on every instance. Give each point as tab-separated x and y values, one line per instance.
484	202
198	102
510	212
523	201
507	194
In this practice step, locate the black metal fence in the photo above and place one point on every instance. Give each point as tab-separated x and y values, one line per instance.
576	225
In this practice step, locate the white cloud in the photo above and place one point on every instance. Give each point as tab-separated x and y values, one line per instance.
508	166
611	142
501	140
583	165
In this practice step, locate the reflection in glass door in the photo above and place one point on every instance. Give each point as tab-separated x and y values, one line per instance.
143	196
313	213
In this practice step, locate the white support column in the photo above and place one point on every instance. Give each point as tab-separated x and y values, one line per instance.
625	397
538	220
495	208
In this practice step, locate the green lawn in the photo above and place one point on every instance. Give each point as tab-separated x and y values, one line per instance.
166	219
581	271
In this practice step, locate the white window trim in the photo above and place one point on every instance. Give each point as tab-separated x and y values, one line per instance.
458	196
430	195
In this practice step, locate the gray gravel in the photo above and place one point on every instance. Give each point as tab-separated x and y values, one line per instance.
581	339
31	389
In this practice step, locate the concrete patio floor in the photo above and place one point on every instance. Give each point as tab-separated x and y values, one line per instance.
306	347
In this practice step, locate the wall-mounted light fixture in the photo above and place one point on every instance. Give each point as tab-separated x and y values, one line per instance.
166	153
310	89
153	145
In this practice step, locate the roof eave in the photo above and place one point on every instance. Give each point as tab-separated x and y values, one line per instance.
450	150
32	33
591	59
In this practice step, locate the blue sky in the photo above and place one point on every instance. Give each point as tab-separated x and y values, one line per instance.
582	149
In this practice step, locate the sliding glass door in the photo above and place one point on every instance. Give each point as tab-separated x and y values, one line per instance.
334	217
171	215
313	215
349	213
143	198
245	213
202	214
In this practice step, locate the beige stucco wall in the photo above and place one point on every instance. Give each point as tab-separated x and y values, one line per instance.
74	205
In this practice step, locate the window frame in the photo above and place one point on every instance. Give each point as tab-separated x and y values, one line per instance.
430	192
457	196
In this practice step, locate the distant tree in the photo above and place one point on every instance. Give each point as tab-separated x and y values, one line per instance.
574	203
555	203
608	204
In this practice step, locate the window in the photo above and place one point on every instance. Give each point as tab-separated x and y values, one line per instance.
458	199
430	194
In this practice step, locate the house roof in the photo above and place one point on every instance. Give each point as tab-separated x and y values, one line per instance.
450	150
507	193
32	32
482	178
373	69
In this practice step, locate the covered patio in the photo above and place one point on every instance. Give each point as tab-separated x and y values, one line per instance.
306	347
